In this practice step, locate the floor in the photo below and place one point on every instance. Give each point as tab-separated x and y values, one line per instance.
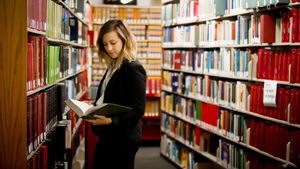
148	157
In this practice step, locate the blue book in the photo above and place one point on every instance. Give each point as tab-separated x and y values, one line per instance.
73	22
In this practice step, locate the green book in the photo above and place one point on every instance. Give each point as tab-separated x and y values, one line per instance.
87	111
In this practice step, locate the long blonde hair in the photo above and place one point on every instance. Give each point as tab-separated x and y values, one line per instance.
129	43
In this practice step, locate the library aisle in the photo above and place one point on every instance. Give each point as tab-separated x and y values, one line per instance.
148	157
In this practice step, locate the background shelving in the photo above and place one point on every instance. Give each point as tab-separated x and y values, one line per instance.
217	56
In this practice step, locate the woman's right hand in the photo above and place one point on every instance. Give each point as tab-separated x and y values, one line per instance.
100	120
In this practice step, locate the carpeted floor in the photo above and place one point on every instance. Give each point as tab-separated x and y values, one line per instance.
148	157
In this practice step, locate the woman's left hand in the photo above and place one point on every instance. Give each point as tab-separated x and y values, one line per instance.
100	120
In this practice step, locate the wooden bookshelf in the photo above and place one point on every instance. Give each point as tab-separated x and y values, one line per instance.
15	31
13	81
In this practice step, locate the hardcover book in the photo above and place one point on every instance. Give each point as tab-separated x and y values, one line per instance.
87	111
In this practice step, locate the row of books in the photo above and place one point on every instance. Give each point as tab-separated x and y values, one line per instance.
195	10
152	109
48	63
149	49
153	86
272	64
246	29
129	15
177	153
194	136
238	95
141	32
62	25
223	61
36	19
53	153
48	107
39	159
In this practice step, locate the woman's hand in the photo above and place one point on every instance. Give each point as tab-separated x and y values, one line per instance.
100	120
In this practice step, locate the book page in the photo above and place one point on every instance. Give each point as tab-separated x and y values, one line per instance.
81	105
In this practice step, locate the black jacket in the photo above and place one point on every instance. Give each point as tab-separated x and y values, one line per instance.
126	87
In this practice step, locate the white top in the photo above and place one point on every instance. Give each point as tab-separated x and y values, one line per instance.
108	76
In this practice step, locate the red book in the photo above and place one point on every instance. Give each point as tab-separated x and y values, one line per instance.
252	133
44	5
271	60
198	136
265	64
195	8
260	104
149	86
267	28
276	64
214	111
91	34
29	66
233	33
295	24
260	63
285	26
285	65
44	157
297	79
204	112
176	60
286	100
42	61
293	62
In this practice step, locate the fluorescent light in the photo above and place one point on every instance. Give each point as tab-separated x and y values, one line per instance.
126	1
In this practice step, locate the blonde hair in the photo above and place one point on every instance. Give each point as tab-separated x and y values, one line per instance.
129	43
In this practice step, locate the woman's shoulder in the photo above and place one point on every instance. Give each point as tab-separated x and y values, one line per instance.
134	66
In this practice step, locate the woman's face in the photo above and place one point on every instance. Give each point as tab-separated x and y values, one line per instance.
112	44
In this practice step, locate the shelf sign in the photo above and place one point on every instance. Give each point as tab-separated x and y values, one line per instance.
270	91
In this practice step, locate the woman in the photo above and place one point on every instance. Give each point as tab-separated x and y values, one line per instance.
123	83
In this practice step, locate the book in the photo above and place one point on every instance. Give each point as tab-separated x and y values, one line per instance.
87	111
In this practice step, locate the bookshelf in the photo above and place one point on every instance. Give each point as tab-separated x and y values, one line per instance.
145	23
36	77
13	82
218	59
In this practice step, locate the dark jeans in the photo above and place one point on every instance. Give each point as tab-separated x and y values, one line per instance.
115	155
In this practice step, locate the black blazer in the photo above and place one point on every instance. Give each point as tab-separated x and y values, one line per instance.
126	87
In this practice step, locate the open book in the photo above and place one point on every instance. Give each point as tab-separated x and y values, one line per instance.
87	111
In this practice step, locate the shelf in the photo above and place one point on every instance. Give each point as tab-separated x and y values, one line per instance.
50	85
218	133
65	42
150	138
204	154
237	110
72	12
153	95
29	156
148	40
38	32
188	21
169	159
170	45
131	23
151	117
223	76
127	6
164	2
